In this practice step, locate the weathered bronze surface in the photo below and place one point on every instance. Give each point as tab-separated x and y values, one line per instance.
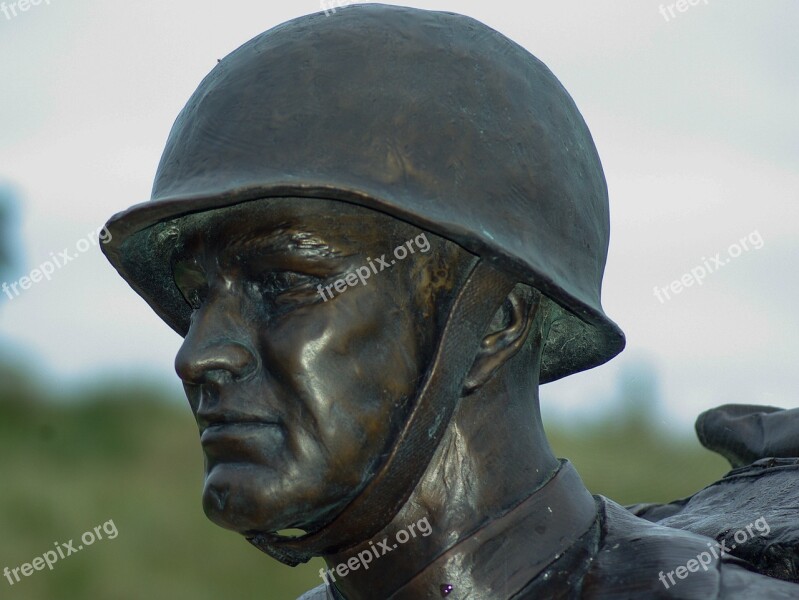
378	232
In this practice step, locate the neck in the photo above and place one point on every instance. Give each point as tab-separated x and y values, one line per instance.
493	456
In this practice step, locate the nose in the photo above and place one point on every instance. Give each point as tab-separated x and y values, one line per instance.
214	362
211	352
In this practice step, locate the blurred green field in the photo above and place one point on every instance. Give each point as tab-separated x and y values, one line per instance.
68	466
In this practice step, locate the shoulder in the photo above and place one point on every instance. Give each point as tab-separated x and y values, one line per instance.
738	583
752	510
639	559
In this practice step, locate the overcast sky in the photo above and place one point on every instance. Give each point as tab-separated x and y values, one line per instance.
694	115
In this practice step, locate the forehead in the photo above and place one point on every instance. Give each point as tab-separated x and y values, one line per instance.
287	224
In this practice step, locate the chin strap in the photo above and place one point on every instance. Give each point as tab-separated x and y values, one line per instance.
388	490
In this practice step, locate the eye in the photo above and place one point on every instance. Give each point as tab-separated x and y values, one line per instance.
195	298
280	281
287	287
192	284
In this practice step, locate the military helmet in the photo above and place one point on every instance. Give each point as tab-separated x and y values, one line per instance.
431	117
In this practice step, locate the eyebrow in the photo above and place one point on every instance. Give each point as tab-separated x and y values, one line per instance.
284	239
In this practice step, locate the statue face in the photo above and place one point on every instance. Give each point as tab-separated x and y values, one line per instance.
296	397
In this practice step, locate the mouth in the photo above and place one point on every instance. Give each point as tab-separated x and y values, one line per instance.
242	442
235	431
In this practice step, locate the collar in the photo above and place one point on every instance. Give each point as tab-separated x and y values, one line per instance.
503	556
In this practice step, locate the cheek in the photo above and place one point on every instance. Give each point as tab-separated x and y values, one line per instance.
352	366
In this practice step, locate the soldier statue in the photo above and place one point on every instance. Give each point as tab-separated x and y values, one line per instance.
378	232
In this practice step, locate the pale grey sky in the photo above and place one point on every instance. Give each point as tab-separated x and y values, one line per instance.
694	118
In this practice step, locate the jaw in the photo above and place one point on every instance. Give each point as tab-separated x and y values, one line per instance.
250	498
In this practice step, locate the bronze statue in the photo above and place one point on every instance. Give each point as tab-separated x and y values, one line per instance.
378	232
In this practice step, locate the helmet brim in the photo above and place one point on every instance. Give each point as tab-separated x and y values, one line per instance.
140	242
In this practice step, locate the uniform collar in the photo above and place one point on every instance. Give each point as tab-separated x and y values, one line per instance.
503	556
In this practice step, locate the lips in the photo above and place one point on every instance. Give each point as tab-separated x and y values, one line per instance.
241	440
234	428
215	406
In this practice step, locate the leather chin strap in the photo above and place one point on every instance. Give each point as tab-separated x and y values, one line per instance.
379	502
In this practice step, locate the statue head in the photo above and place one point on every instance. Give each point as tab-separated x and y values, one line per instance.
358	222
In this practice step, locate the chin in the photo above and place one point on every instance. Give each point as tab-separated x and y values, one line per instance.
250	498
238	497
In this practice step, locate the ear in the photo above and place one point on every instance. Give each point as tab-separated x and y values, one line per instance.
500	346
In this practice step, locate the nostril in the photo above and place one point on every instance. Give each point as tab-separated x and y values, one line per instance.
237	360
217	377
242	361
213	363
